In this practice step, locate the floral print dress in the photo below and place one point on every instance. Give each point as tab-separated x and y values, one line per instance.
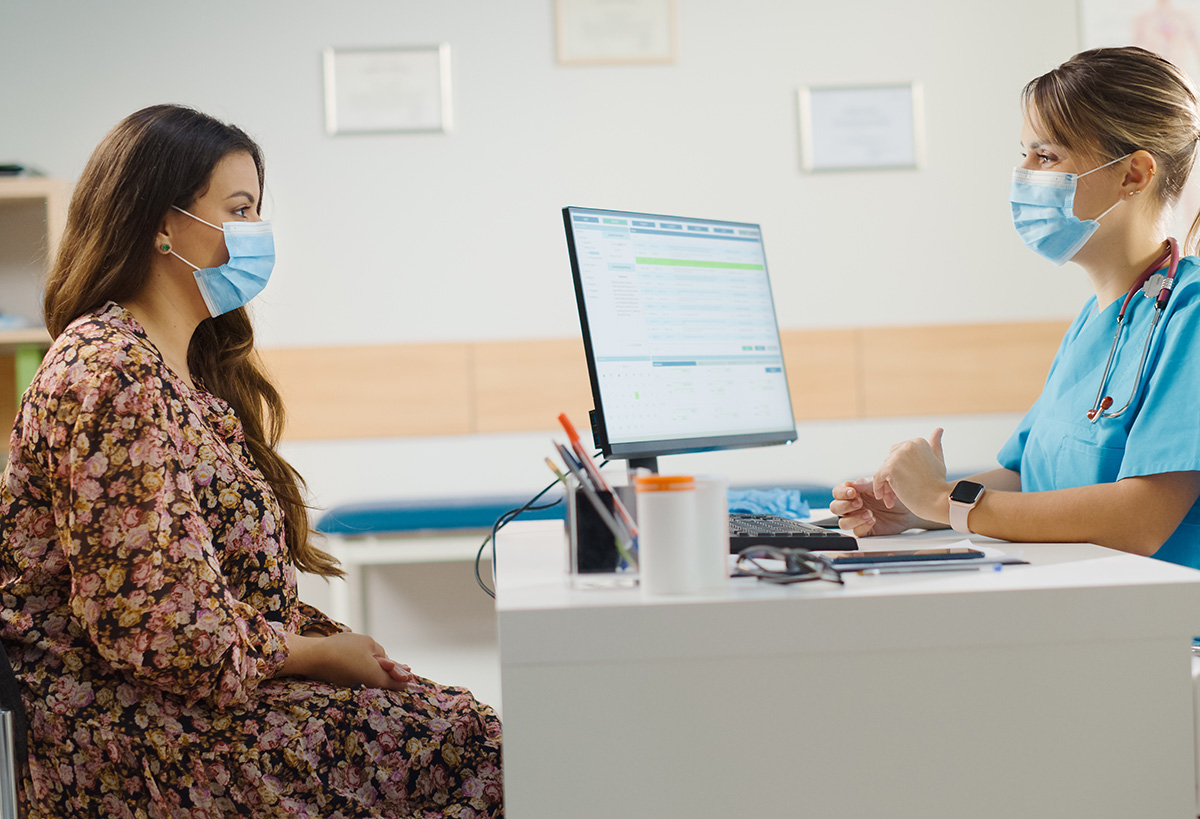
144	591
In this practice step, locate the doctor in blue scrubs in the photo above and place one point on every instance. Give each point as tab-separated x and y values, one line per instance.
1110	452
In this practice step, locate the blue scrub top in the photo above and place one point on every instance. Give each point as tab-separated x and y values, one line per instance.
1056	447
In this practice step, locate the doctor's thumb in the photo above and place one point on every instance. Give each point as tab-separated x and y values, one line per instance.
935	441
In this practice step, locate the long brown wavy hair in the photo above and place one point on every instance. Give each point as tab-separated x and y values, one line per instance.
161	156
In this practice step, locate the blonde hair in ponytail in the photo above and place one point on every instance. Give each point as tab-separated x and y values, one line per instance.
1110	102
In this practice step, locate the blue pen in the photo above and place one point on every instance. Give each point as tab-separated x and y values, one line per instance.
569	458
993	567
622	534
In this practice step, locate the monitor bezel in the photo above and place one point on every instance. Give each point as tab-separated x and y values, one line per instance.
670	446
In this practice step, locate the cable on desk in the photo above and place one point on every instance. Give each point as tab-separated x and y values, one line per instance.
503	521
500	523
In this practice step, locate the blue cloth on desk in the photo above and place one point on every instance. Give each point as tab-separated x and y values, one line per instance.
785	503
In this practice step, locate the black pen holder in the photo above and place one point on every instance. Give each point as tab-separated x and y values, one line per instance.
593	545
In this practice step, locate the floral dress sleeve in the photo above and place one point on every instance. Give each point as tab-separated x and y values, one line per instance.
313	621
146	584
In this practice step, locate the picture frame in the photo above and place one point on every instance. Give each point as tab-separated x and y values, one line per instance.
398	89
616	32
861	127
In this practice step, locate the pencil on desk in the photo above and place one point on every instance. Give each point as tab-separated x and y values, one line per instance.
557	473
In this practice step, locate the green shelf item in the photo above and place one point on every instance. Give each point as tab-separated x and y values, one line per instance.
27	358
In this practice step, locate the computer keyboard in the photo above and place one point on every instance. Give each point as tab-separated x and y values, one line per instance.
746	530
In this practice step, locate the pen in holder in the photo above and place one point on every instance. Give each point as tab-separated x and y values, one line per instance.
596	555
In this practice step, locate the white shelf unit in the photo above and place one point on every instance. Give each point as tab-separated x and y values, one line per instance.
33	211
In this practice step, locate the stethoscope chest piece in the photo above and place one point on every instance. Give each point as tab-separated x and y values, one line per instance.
1154	286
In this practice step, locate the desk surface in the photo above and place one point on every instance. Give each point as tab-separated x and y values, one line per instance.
1067	680
1067	590
532	565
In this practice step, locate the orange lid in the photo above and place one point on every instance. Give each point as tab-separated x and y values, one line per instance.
665	483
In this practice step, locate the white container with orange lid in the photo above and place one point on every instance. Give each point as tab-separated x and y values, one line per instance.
677	554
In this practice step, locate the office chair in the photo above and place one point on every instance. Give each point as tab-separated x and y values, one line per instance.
14	729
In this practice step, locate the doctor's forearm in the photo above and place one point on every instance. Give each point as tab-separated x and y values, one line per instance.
999	480
1133	515
996	480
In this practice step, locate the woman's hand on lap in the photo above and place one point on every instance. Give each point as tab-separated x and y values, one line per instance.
345	659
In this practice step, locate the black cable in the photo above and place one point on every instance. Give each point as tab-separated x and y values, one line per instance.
507	518
500	523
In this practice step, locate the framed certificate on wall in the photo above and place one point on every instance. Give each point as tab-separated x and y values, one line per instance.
615	32
868	127
388	90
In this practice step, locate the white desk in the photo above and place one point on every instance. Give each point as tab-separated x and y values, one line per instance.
1061	689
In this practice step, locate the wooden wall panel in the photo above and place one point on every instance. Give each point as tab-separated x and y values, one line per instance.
8	397
373	392
822	371
934	370
514	386
524	385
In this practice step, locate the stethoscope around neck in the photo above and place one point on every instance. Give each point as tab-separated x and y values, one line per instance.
1147	282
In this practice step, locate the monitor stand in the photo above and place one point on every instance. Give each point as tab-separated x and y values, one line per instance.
635	464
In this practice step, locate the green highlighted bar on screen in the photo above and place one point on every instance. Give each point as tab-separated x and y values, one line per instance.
697	263
615	222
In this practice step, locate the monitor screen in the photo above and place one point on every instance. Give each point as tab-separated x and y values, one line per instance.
680	332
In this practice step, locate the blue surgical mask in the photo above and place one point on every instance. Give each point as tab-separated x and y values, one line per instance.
1043	210
251	249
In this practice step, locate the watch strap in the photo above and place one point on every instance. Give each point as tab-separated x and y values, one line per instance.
960	510
958	516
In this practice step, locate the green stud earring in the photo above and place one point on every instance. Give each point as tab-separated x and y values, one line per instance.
165	248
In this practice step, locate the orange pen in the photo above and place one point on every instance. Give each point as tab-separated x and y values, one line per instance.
594	473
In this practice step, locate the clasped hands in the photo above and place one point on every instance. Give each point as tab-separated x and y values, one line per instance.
345	659
909	490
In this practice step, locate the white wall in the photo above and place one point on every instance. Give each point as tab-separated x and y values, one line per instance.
388	238
393	238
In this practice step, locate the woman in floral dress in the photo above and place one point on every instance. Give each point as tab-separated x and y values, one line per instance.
150	534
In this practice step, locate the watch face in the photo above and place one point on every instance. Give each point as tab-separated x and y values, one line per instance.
966	492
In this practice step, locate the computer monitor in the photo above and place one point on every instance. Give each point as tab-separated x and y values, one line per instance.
680	332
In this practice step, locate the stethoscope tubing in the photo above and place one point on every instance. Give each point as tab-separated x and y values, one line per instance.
1102	403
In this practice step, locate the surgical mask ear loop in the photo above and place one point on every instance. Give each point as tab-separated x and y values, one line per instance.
1080	176
180	258
1077	176
1114	204
167	248
218	227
